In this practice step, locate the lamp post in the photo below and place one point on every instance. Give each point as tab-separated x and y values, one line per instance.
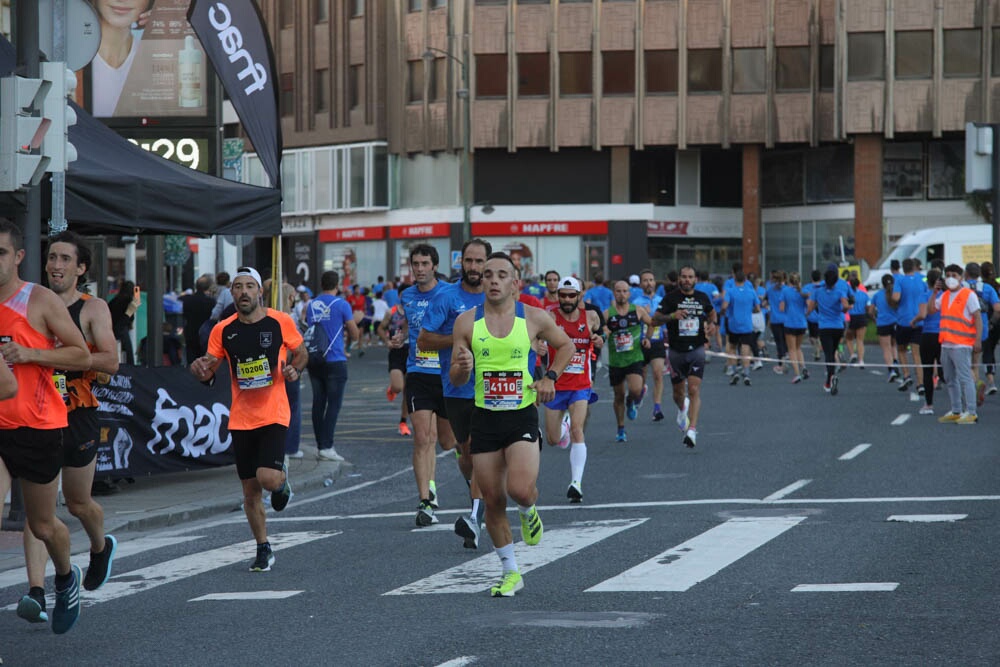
466	178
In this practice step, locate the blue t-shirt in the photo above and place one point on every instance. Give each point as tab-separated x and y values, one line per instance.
651	304
333	313
391	297
773	294
708	288
440	318
635	293
932	323
885	314
828	303
415	304
860	306
912	291
987	298
535	290
795	308
809	289
740	301
600	296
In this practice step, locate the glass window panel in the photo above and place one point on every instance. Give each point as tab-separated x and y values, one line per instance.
415	5
439	80
653	175
358	177
576	73
287	94
749	67
947	169
354	74
322	9
721	174
705	71
338	179
306	182
793	68
380	176
826	68
781	247
491	75
903	170
829	174
995	51
866	56
961	53
914	54
782	181
437	4
619	72
661	72
532	74
287	13
416	79
323	191
289	180
358	8
321	91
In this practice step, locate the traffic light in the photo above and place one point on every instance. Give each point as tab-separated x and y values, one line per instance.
22	129
56	107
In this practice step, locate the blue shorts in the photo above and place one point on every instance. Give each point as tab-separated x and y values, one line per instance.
564	399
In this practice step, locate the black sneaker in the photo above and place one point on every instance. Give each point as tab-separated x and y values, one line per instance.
746	380
264	560
834	381
575	492
734	380
99	570
905	384
657	416
921	390
67	608
467	529
32	607
280	498
805	373
425	515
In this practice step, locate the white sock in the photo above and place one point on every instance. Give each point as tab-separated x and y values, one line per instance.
577	460
506	555
474	514
524	510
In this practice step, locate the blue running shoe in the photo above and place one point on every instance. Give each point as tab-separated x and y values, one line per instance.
32	610
67	608
621	437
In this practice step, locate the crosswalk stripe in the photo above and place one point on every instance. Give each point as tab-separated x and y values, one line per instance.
927	518
479	574
247	595
694	561
861	587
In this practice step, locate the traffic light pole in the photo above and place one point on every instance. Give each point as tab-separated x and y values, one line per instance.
57	220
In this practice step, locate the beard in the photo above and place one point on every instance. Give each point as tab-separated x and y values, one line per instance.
472	278
246	307
568	307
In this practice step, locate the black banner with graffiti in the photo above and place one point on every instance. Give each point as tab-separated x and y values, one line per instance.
155	420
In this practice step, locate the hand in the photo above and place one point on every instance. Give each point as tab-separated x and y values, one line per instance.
680	314
397	340
545	389
15	353
597	340
201	368
143	19
646	343
290	372
463	359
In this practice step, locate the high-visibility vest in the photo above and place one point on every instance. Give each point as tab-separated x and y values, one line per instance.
956	328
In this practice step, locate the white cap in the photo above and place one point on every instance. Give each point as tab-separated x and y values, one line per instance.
302	288
248	271
570	283
633	279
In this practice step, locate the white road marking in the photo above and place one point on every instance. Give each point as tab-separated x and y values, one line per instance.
479	574
694	561
247	595
460	662
854	452
877	587
436	528
19	576
901	419
788	490
927	518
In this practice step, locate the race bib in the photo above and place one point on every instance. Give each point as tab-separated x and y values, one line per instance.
688	326
623	341
503	390
428	360
254	374
576	364
60	381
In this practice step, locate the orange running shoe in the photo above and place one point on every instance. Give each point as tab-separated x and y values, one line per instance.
390	394
404	429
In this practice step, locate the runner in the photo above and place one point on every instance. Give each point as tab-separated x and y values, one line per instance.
961	335
908	293
68	260
793	309
505	436
424	390
566	414
391	325
436	334
739	303
32	423
690	320
625	354
551	299
812	318
777	318
655	356
885	323
831	302
254	342
858	325
930	345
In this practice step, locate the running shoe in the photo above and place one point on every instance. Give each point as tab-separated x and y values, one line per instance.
730	370
32	609
631	410
992	389
296	455
854	359
967	418
905	384
757	365
468	529
980	393
564	433
921	390
779	370
575	492
658	416
816	354
404	429
433	494
949	418
329	454
279	498
621	437
797	379
531	527
690	438
67	608
390	395
926	410
893	375
683	421
510	584
264	560
746	380
425	515
735	380
99	570
805	373
834	381
826	386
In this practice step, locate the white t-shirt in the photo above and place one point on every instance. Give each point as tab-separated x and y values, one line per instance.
971	312
108	82
380	308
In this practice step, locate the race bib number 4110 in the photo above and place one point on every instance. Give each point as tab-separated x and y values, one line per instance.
503	390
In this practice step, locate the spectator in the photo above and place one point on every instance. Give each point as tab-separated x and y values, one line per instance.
223	296
197	310
299	310
123	307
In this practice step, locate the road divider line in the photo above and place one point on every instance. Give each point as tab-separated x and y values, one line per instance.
901	419
854	452
870	587
247	595
791	488
927	518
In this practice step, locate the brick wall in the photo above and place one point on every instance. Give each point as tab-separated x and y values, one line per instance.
868	197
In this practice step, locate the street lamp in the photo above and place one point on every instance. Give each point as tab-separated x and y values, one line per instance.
466	178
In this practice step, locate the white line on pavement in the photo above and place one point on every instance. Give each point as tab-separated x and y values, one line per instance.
854	452
460	662
697	559
876	587
247	595
791	488
927	518
901	419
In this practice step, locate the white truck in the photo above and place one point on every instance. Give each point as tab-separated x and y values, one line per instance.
959	244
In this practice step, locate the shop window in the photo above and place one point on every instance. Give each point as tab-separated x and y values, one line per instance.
653	176
322	10
749	71
721	177
946	169
826	67
618	72
661	72
416	80
287	95
903	170
829	174
491	75
914	54
962	51
576	73
532	74
793	68
782	178
866	56
705	71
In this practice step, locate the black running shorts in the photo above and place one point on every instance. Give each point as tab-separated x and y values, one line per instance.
493	430
424	392
262	447
32	454
80	438
616	374
460	416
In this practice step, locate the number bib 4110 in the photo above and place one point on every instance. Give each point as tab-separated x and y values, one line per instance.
503	390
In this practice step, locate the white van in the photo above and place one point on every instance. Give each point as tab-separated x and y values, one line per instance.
959	244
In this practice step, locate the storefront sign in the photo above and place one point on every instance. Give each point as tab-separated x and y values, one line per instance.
698	229
432	230
541	228
352	234
667	228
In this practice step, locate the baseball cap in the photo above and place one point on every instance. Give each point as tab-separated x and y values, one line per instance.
570	283
302	288
248	271
633	279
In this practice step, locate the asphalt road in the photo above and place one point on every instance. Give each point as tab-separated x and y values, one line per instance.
778	540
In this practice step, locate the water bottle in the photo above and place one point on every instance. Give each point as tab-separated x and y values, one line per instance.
328	482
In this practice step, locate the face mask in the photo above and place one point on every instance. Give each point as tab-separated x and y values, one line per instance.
951	282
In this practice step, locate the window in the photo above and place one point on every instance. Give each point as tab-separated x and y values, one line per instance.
619	72
866	56
653	174
961	53
782	182
438	4
322	10
914	54
438	88
721	173
576	73
947	169
321	91
416	5
661	72
416	79
353	86
705	71
793	68
829	174
357	7
287	95
532	74
287	13
996	52
903	170
491	75
749	67
826	69
358	179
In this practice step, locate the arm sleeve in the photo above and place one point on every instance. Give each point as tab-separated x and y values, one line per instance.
289	332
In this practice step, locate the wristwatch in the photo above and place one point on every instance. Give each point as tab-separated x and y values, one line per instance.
552	375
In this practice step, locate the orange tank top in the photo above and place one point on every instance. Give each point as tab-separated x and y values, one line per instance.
38	403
